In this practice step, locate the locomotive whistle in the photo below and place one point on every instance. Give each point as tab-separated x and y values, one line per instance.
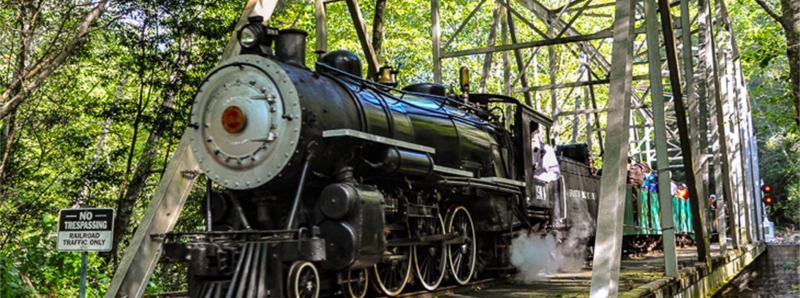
464	82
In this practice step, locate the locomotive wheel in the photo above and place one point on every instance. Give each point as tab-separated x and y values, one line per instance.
461	256
430	262
357	282
390	278
303	280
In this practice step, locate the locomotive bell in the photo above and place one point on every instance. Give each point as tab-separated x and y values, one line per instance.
388	76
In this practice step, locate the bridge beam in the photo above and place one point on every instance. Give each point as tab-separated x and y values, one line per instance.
608	240
662	156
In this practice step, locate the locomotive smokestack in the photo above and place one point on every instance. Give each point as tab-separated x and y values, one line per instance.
290	47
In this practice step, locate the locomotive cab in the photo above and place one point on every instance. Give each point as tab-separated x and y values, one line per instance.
539	194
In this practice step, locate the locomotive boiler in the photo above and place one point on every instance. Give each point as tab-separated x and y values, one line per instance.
327	182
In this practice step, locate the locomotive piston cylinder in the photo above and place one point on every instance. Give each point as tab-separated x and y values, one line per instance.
199	264
355	238
336	200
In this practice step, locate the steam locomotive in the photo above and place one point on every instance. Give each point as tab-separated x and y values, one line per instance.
321	182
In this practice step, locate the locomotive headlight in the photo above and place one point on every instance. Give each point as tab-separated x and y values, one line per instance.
248	36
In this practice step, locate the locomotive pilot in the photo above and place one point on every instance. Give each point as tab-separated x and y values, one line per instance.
545	164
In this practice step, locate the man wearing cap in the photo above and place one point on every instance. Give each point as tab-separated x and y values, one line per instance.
546	169
545	164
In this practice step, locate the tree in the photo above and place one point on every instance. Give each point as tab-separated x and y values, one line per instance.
70	139
55	52
40	47
790	22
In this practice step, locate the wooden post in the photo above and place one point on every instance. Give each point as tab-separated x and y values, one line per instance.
608	240
435	40
686	147
662	157
366	43
724	161
321	25
487	60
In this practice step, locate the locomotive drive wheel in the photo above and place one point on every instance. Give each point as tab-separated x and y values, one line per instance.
430	262
303	280
356	284
390	278
461	256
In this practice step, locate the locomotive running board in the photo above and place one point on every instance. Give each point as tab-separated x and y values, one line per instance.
452	171
504	181
377	139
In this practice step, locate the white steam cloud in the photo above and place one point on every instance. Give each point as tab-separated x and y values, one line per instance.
536	255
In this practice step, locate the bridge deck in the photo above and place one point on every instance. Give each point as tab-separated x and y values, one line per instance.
639	277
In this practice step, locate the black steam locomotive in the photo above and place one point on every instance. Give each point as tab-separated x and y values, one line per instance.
329	183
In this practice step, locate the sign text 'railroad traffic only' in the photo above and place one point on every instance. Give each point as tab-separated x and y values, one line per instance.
88	229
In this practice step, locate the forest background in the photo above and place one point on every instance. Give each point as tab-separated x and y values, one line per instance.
96	95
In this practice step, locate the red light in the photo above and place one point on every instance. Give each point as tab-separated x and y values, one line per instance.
768	200
233	119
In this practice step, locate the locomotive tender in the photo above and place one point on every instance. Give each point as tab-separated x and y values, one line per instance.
327	182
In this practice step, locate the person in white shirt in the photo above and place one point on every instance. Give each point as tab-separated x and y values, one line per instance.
545	164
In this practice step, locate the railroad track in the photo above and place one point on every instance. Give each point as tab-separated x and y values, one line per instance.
446	291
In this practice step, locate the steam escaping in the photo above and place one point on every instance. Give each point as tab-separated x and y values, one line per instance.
538	255
535	256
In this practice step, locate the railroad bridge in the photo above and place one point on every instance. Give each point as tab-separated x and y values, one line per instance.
676	99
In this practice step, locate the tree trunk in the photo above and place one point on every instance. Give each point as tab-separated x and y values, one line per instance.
32	79
791	24
20	72
377	27
9	132
143	171
98	150
487	59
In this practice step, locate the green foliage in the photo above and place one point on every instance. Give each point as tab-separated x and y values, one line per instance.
791	265
32	265
56	132
766	69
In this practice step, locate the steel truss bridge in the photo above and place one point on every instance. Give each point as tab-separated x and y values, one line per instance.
676	98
